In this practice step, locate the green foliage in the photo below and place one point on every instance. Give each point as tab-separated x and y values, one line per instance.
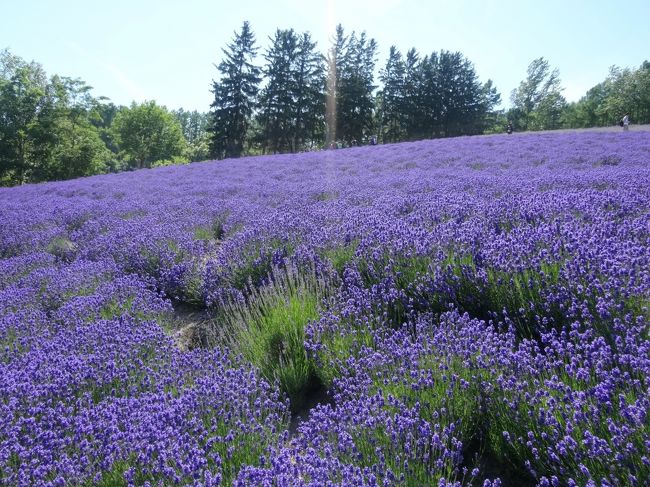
438	95
269	329
23	89
48	127
523	409
428	284
391	116
195	126
174	161
234	96
291	103
341	256
80	152
257	263
623	91
521	294
198	149
351	64
538	102
202	233
215	232
245	447
445	389
147	133
439	388
61	247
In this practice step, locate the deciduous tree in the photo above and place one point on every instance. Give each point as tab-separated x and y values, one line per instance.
538	101
147	133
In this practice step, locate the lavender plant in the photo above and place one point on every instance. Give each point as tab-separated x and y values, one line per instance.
477	309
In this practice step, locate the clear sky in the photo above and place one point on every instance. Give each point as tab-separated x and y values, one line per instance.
165	50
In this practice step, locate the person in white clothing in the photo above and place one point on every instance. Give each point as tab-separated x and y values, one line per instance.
626	122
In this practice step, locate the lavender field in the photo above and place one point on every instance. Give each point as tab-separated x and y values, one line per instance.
468	311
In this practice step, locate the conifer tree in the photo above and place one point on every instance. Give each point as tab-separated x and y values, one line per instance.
276	104
442	96
411	107
309	75
354	92
291	104
391	117
460	96
335	62
234	96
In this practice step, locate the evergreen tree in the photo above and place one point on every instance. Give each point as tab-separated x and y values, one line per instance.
412	106
354	93
429	108
234	96
335	61
440	96
291	103
391	115
277	103
309	76
460	95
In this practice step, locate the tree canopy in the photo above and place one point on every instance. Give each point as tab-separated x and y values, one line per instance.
538	102
292	99
46	125
147	133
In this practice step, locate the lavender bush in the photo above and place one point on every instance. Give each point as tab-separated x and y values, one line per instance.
470	311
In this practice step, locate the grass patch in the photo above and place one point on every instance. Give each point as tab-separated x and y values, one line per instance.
335	347
325	196
10	341
341	256
269	330
431	399
215	231
522	295
257	264
429	284
445	389
129	215
61	247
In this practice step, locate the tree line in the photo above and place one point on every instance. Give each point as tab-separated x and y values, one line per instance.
53	128
289	98
311	100
300	99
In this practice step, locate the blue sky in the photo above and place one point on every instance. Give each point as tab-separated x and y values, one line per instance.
165	50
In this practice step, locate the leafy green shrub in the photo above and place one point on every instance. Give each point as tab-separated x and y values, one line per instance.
174	161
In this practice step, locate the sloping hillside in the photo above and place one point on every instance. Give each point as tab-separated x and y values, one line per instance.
441	312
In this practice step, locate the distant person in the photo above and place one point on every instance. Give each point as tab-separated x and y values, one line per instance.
509	128
333	145
373	140
625	122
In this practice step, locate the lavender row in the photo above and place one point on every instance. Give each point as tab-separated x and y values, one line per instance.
541	239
